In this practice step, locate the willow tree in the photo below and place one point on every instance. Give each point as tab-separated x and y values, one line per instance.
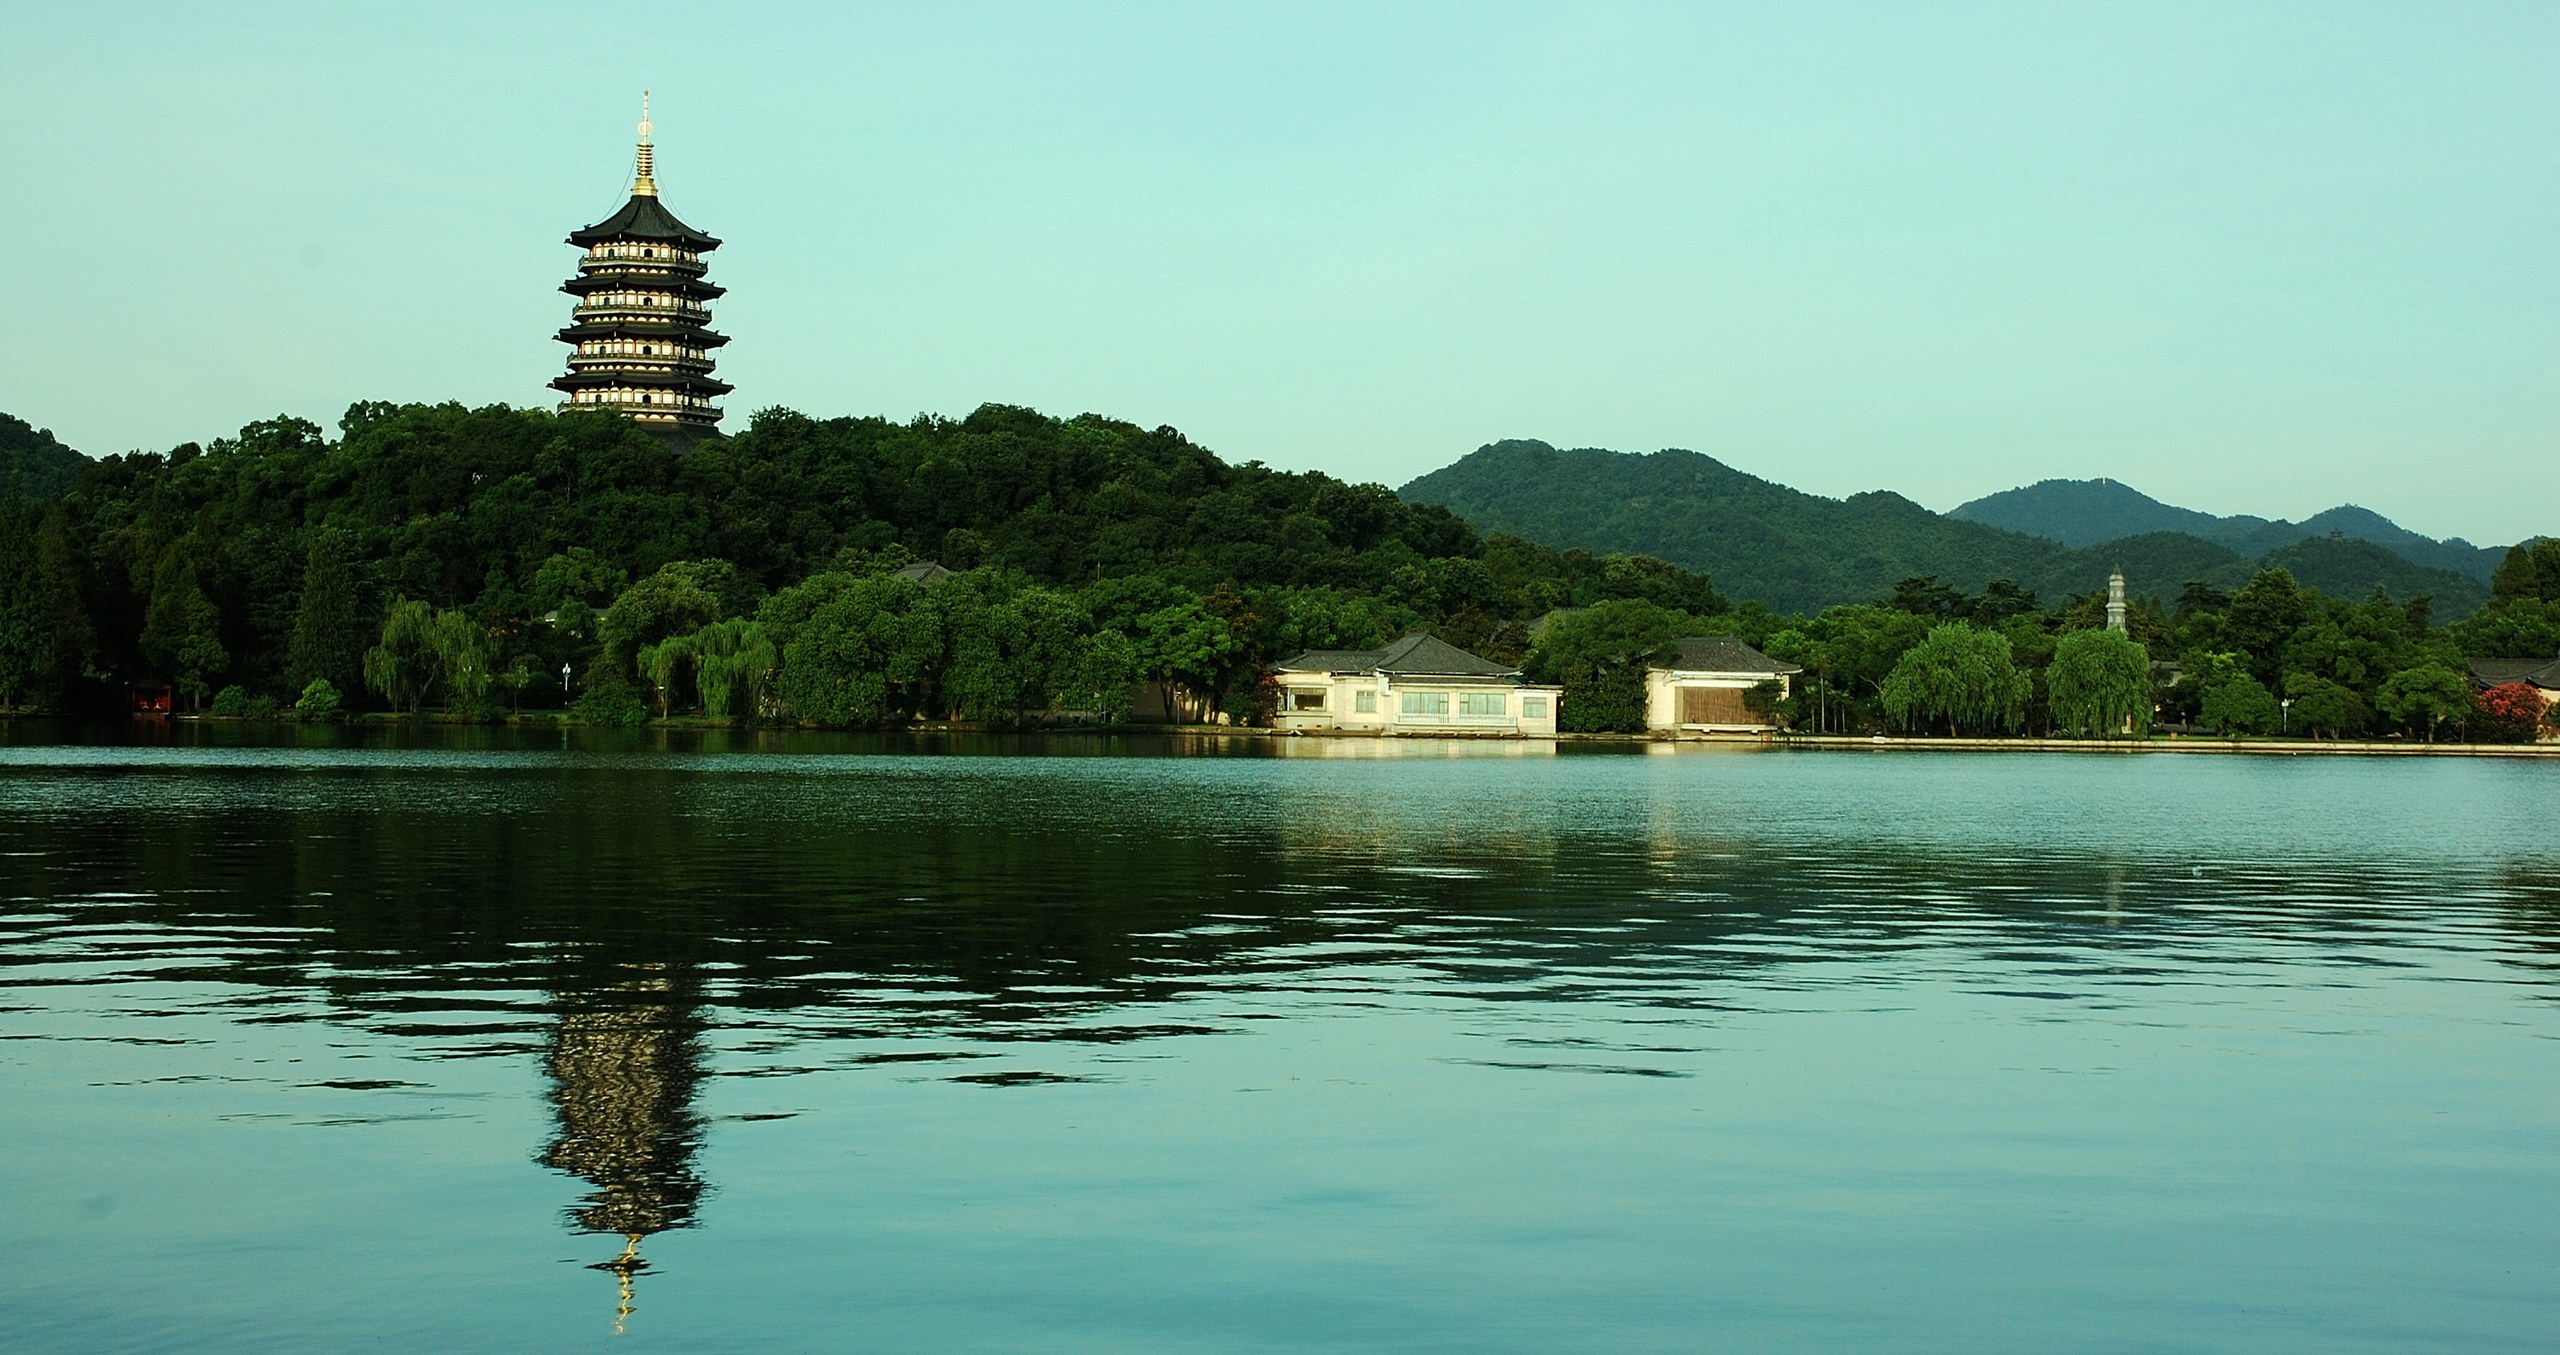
404	664
1961	677
2100	684
666	663
464	650
734	662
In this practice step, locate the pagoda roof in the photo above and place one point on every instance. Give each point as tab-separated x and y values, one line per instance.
643	218
633	329
603	280
641	380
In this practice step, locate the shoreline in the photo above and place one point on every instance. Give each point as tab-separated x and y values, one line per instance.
2200	744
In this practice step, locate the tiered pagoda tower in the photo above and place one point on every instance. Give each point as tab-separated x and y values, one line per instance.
639	338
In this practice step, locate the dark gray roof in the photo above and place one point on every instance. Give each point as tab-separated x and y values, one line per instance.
1416	655
2543	673
644	218
1723	654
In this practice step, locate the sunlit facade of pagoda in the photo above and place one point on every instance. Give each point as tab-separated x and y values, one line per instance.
640	337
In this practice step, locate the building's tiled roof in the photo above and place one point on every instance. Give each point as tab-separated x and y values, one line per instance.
1416	655
644	218
925	571
2543	673
1723	654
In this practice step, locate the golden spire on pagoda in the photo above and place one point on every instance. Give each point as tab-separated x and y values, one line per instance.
645	183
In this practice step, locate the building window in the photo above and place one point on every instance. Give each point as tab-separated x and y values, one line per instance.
1306	698
1533	708
1366	703
1483	703
1426	703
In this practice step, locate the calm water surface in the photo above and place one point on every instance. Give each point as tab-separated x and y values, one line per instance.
510	1043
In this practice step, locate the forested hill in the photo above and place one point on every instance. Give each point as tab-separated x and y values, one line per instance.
193	565
2094	512
41	467
1801	552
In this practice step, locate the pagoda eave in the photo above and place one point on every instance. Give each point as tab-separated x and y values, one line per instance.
644	219
641	380
693	288
623	329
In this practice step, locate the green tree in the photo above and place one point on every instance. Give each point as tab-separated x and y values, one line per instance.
319	702
1599	656
2424	697
2321	707
2530	572
1189	649
25	636
404	662
2263	617
666	664
328	631
182	629
735	667
678	599
1846	653
2239	704
2099	684
575	575
864	654
1102	676
71	635
1008	651
464	651
1961	676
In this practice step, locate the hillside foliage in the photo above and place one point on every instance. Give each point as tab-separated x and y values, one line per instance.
275	558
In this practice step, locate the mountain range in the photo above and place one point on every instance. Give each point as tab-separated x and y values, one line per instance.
1794	551
2094	512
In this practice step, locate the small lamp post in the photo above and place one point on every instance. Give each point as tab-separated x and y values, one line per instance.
2284	716
564	677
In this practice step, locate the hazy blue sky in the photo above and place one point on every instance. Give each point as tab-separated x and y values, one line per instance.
2249	258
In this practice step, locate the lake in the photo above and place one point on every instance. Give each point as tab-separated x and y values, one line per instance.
491	1040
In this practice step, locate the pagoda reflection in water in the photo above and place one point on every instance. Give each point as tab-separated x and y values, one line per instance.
625	1061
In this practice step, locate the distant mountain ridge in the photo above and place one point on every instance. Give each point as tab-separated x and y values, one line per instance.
1796	551
2094	512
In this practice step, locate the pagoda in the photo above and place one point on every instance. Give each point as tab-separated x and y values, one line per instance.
639	341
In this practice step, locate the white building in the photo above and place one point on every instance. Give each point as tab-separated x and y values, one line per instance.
1700	691
1418	685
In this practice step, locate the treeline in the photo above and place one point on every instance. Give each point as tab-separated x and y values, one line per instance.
2270	657
1010	567
461	559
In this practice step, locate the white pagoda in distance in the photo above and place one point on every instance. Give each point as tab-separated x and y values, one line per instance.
639	337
